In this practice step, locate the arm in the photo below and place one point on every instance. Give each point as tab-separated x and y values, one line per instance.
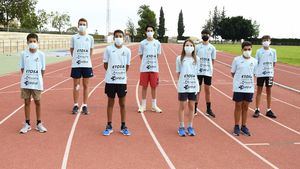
127	67
232	74
22	70
91	53
71	51
43	72
105	66
178	74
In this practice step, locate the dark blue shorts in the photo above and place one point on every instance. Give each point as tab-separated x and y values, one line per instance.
112	89
77	73
187	96
238	97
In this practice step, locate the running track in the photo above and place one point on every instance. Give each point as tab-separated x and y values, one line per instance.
76	141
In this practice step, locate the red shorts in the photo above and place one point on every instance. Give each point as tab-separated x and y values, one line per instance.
149	77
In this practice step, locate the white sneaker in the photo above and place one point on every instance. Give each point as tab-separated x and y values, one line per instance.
40	128
141	109
25	128
156	109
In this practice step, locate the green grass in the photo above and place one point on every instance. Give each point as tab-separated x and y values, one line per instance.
10	63
285	54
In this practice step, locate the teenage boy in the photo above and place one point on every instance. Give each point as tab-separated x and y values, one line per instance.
33	66
81	49
207	54
116	63
242	70
266	58
149	51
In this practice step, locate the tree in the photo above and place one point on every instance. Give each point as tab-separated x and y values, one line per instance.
161	28
208	24
43	19
72	29
29	22
147	17
131	29
214	20
180	28
60	21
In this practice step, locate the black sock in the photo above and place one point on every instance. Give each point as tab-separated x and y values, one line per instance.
109	125
196	105
123	125
27	121
38	122
208	104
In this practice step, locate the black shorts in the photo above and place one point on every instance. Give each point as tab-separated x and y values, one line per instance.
79	72
238	97
267	80
207	80
187	96
112	89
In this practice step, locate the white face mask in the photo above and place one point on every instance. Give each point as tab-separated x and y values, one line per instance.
266	43
189	50
33	45
150	34
247	53
119	41
82	28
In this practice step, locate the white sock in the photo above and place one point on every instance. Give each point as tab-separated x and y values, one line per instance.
181	124
268	109
84	105
144	102
257	109
153	102
75	104
190	124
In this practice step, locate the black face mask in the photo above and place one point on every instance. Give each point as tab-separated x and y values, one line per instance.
205	38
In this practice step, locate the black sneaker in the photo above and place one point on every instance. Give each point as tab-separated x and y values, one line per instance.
210	113
270	114
236	130
245	131
84	110
256	113
75	110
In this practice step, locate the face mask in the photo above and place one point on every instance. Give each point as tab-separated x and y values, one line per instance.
205	38
82	28
33	45
150	34
266	43
118	41
247	53
188	50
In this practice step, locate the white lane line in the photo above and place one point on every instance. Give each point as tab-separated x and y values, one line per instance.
297	143
257	144
224	131
161	150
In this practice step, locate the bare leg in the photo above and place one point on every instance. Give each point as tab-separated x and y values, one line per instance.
122	108
237	112
85	83
245	106
269	95
38	109
258	95
110	106
27	108
75	91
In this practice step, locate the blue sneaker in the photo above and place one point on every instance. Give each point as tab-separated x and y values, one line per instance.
236	130
191	131
181	131
107	131
125	131
245	131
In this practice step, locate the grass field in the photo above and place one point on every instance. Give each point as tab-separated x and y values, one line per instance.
285	54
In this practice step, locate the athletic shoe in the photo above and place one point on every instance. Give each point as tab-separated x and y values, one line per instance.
210	113
107	131
191	131
84	110
40	128
256	113
236	130
245	131
271	114
25	128
125	131
181	131
75	110
156	109
141	109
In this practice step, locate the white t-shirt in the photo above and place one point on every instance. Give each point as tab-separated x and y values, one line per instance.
266	60
33	64
243	69
82	50
188	68
117	60
149	51
206	53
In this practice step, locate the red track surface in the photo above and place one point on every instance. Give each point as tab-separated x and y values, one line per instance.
211	148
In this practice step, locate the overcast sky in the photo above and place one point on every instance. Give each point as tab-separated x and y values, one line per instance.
278	18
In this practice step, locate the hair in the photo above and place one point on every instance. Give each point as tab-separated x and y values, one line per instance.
205	31
246	43
183	51
266	37
118	31
32	35
149	26
83	20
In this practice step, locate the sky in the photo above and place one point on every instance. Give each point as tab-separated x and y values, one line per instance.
280	19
